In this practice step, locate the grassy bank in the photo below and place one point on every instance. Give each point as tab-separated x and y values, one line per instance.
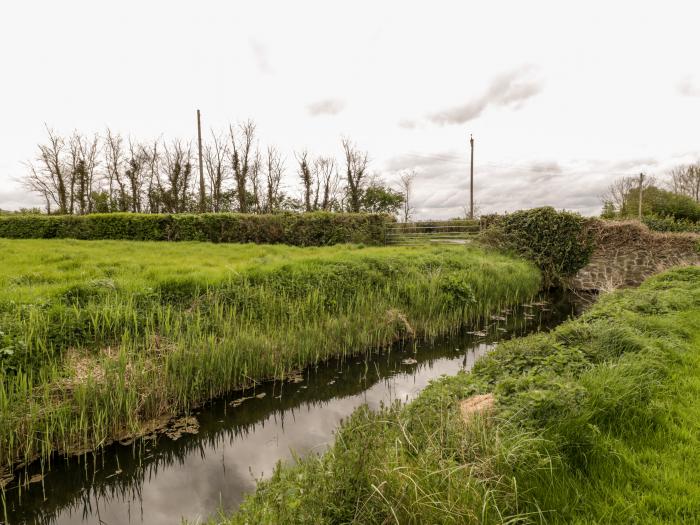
595	422
102	339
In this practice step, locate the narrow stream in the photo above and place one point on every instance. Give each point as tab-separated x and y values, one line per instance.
165	480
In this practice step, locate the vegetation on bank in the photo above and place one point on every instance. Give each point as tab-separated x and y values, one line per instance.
597	421
298	229
100	339
560	243
676	209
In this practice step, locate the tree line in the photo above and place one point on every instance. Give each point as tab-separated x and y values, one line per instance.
675	196
103	173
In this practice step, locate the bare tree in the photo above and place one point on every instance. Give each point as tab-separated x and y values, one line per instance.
152	158
685	180
83	165
177	165
116	179
356	163
136	165
241	145
215	155
255	182
50	176
274	169
327	182
406	187
618	192
304	171
38	182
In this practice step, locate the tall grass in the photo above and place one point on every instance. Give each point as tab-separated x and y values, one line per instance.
595	422
104	339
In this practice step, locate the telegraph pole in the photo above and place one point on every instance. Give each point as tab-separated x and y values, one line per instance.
471	179
202	195
641	181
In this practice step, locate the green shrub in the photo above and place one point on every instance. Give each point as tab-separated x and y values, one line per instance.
669	224
305	229
559	243
661	203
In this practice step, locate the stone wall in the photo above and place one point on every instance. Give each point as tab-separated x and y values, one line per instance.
628	252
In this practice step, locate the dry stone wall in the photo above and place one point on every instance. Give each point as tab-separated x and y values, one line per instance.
628	252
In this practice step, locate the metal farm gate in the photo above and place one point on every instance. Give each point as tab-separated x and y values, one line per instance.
431	232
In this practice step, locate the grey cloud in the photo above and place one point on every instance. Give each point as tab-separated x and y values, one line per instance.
329	106
509	89
545	167
688	88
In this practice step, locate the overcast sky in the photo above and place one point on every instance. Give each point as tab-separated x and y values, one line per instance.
560	98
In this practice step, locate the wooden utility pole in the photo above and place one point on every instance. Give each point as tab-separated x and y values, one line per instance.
641	189
471	179
202	194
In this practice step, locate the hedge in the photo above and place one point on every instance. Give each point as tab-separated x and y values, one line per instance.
560	243
303	229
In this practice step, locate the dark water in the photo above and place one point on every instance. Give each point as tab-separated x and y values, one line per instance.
163	481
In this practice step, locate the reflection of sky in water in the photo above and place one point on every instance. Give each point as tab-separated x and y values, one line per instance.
218	476
196	475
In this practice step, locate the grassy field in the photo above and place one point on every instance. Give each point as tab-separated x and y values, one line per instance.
597	421
102	339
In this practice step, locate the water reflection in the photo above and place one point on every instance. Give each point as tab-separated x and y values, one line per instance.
161	481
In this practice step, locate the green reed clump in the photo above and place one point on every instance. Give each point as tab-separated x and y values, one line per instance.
594	422
103	337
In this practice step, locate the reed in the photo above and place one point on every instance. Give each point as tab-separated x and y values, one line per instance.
593	422
100	339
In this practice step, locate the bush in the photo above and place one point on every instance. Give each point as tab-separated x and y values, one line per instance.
306	229
559	243
661	203
669	224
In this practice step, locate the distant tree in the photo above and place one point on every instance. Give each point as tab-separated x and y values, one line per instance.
406	187
215	155
50	176
356	163
151	154
115	162
685	180
327	182
175	185
83	164
304	171
240	156
377	197
608	210
619	190
274	170
256	197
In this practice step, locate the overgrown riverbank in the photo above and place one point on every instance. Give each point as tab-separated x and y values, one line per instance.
103	339
597	421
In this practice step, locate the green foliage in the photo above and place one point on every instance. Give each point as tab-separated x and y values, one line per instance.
595	422
669	224
305	229
559	243
102	336
608	211
377	198
661	203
